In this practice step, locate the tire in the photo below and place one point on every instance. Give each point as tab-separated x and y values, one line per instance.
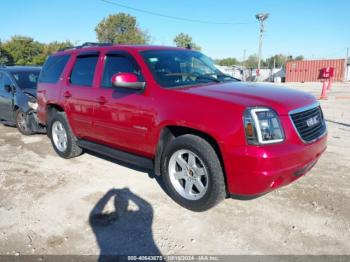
62	138
202	166
22	124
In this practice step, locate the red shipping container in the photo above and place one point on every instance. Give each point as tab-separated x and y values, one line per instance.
309	70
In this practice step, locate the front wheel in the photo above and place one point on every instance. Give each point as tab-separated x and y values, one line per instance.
22	123
62	138
192	173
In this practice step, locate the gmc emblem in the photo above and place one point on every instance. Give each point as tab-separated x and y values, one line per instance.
313	121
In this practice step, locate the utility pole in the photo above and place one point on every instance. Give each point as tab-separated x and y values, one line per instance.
261	18
244	54
243	64
347	64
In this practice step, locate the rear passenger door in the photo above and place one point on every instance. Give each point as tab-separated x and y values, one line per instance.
6	98
79	94
123	118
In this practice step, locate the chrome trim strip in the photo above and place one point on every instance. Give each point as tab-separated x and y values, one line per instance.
305	108
302	109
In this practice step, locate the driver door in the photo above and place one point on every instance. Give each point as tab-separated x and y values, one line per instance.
123	118
6	98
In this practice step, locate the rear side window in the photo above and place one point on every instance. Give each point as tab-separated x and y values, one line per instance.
84	70
118	64
26	79
53	68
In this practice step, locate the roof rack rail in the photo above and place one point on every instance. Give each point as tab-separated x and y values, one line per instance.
86	44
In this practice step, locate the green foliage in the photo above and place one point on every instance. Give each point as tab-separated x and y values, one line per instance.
184	40
120	28
251	62
280	60
49	49
22	50
277	60
5	57
298	58
229	61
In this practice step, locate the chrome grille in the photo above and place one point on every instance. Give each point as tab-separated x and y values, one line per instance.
309	123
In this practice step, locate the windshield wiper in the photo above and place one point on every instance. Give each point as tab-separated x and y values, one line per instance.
225	77
208	77
197	76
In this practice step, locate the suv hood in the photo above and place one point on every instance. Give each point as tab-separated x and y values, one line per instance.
281	99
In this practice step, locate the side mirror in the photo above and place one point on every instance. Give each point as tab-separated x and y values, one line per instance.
8	88
127	80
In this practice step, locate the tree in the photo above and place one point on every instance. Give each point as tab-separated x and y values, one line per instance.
251	62
298	58
49	49
120	28
24	50
229	61
185	41
280	60
277	60
5	57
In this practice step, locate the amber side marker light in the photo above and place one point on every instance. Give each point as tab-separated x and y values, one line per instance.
249	130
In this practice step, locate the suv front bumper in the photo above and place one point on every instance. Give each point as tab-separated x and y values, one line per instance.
256	170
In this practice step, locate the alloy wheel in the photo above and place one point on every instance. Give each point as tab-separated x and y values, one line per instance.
188	174
59	136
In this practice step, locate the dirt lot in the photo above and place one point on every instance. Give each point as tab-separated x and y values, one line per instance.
46	202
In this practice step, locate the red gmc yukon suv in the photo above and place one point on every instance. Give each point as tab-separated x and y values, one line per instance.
171	110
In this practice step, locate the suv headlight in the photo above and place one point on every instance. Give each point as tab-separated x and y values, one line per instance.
262	126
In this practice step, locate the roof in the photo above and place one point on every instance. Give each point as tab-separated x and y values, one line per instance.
20	68
136	48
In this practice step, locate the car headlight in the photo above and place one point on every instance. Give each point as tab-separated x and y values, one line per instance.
262	126
32	101
33	105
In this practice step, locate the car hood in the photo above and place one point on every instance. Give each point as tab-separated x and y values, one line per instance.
30	91
281	99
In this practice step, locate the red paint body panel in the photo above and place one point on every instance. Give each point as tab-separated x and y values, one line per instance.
133	122
310	70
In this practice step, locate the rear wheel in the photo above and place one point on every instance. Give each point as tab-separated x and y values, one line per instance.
192	173
22	123
62	138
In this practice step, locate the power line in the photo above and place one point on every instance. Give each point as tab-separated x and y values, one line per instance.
173	17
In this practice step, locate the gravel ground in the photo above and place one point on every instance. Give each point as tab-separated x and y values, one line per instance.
49	205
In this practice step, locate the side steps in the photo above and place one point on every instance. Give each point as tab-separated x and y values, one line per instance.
136	160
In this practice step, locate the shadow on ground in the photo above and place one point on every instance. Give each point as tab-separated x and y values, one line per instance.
126	229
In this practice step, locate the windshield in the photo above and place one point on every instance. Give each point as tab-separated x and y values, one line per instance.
179	68
26	79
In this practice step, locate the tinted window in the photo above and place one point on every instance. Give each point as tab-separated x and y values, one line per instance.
53	68
118	64
26	80
83	70
4	80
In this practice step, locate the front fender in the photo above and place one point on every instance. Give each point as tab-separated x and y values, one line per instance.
21	101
